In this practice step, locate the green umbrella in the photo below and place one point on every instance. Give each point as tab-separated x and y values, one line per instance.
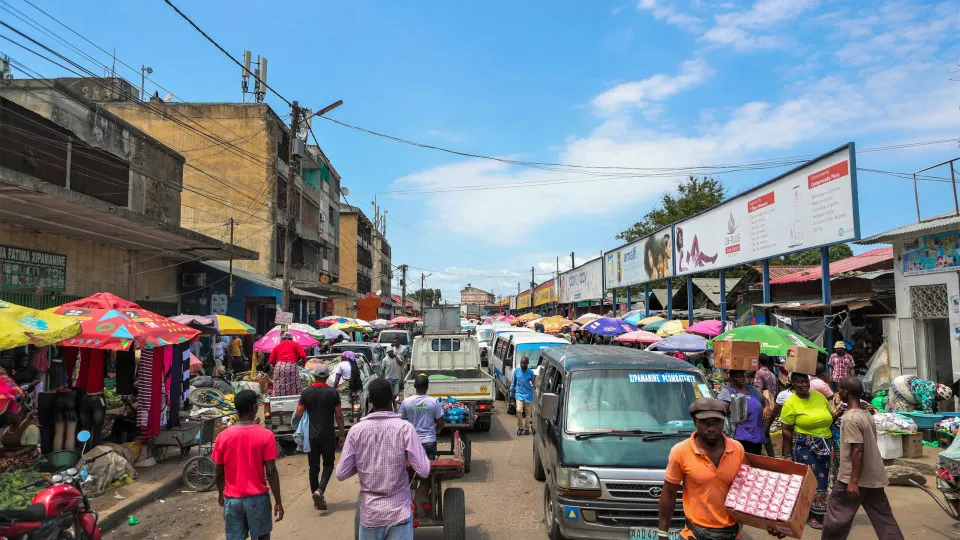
773	341
654	326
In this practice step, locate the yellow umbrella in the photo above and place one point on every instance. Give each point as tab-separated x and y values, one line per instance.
527	317
21	325
233	327
643	322
552	325
349	326
670	328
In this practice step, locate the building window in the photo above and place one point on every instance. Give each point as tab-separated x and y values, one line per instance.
929	301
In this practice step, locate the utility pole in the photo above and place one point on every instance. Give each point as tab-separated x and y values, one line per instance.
421	291
573	263
291	228
533	285
230	286
403	289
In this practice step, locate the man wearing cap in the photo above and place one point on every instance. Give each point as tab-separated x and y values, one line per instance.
705	464
322	404
425	413
841	365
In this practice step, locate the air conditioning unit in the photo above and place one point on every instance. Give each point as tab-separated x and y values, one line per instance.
192	281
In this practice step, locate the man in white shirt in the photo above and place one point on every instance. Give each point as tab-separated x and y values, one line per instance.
393	370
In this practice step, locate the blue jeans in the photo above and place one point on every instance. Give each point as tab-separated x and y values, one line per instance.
245	516
395	383
397	531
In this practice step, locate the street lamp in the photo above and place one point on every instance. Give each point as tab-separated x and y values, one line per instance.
143	77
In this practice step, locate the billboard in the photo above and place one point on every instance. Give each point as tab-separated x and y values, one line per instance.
811	206
939	252
523	300
32	270
583	283
643	261
513	303
545	293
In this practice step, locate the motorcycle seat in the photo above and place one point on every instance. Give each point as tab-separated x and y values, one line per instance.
34	512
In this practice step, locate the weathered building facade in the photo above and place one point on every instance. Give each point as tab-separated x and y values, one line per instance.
356	258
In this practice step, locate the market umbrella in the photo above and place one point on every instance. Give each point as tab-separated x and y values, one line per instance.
380	323
333	333
586	318
349	326
506	318
552	325
527	317
206	325
682	342
332	319
230	326
21	326
110	322
533	323
633	317
607	326
649	320
670	328
773	341
401	320
708	329
654	326
272	338
639	336
305	328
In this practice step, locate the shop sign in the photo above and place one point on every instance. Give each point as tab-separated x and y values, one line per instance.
218	304
513	302
523	300
648	259
931	253
283	317
28	269
545	294
812	206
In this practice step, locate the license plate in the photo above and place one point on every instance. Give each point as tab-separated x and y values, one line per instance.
646	533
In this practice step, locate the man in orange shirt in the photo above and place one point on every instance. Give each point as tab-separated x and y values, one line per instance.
705	464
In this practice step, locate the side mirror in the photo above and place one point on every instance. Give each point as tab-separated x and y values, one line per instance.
549	406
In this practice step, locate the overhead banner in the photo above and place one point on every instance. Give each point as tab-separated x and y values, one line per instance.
523	300
513	303
546	293
932	253
643	261
582	283
811	206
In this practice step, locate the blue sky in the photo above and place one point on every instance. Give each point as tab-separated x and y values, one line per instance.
648	83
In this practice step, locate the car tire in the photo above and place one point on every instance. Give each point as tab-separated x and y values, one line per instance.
550	514
538	473
454	514
483	424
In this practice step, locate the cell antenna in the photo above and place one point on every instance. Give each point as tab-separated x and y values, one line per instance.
245	72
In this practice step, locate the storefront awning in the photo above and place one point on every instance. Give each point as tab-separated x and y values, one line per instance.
29	202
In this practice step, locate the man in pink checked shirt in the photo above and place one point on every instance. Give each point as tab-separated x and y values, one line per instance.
378	448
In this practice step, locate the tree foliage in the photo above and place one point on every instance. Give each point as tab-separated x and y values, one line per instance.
430	297
693	195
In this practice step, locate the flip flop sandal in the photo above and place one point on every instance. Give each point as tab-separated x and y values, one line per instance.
318	501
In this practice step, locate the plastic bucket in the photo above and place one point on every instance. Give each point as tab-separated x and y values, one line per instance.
54	461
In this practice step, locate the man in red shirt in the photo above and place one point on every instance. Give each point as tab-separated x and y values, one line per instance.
246	454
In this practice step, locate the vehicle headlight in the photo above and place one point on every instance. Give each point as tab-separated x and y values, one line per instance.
577	479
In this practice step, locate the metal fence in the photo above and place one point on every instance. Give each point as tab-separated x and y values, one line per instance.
47	301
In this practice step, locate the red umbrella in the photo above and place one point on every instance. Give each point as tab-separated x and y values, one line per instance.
639	336
110	322
401	320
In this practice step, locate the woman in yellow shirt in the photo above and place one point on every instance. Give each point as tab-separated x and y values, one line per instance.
806	419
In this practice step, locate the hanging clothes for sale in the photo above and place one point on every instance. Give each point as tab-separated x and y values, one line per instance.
40	359
126	373
89	373
175	382
149	388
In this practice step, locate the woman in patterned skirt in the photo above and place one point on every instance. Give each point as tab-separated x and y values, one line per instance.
286	359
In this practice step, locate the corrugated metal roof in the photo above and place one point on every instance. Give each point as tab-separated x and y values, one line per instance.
912	230
778	271
711	287
865	275
863	260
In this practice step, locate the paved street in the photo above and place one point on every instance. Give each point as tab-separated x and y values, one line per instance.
503	501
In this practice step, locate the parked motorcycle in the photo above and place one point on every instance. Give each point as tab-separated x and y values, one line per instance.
59	512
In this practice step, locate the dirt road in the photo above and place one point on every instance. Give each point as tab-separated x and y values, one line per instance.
503	502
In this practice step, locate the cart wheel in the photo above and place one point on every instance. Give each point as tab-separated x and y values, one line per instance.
203	397
467	451
454	514
356	523
200	473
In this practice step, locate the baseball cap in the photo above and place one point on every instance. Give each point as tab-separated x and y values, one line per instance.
321	372
708	408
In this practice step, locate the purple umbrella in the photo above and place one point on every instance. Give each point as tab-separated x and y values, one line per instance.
683	342
607	326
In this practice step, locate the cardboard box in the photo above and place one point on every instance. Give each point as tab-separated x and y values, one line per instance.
740	355
801	511
913	445
801	360
890	446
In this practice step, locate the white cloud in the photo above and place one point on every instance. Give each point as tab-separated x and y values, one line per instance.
639	94
663	10
748	30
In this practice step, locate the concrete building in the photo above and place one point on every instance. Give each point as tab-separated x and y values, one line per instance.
473	295
90	203
356	259
382	264
239	188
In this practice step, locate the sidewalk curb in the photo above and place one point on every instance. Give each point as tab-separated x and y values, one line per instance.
118	515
